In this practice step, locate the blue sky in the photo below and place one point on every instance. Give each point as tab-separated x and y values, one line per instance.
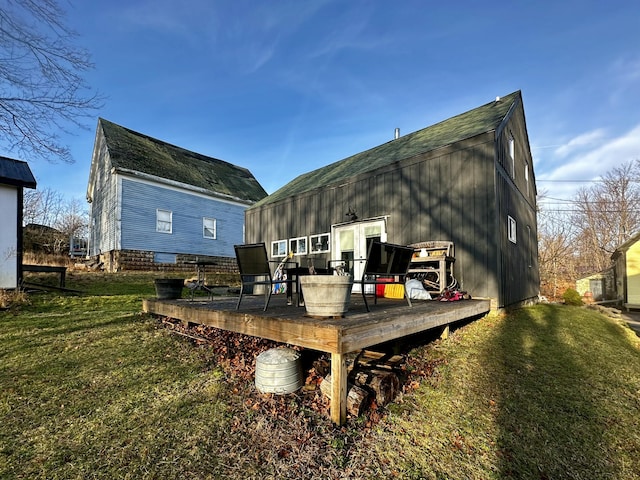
284	87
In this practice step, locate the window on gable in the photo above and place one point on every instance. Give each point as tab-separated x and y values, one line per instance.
512	155
298	245
511	229
209	228
164	221
279	248
526	176
319	243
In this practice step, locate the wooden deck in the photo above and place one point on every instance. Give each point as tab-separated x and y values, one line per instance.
359	329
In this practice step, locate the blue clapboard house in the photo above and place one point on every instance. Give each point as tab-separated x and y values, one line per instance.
157	206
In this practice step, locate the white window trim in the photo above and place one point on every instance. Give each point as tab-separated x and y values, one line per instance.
295	243
318	238
212	226
512	228
160	222
276	252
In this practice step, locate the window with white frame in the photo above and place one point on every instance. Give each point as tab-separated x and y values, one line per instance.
164	221
319	243
298	245
511	226
279	248
512	155
209	228
526	175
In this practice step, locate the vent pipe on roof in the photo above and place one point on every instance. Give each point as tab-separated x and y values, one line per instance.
397	133
497	99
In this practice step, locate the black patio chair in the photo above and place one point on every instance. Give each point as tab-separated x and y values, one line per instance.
255	269
386	264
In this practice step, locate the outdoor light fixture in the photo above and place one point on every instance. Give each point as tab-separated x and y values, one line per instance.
351	214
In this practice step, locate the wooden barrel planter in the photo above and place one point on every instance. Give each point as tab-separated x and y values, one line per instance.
168	288
326	295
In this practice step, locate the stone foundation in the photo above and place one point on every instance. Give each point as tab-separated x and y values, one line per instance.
141	260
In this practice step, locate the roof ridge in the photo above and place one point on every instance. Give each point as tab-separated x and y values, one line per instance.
132	151
453	129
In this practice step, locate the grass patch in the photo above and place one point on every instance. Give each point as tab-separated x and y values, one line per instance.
544	392
91	388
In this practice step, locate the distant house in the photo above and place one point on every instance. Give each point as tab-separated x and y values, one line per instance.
15	176
468	180
598	287
154	205
626	267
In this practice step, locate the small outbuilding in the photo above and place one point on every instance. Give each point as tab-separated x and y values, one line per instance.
598	287
468	180
15	176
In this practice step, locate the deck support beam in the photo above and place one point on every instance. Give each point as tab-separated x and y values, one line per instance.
338	389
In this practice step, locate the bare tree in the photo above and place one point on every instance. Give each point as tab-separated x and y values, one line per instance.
557	254
607	214
42	89
53	220
580	241
43	207
74	221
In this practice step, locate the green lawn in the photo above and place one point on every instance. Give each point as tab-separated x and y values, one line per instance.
91	388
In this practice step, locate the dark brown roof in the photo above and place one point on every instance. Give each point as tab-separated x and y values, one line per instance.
466	125
16	173
134	152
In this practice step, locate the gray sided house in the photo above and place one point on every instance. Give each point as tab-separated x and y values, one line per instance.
468	180
154	205
15	176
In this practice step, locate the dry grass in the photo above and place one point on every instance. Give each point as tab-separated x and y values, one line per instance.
90	388
48	259
12	298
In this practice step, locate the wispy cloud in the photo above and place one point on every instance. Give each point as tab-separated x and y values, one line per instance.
625	76
579	143
585	158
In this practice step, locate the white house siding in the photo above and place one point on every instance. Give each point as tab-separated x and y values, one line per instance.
138	209
104	218
8	237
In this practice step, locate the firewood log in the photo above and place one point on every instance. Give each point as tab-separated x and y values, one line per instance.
357	397
384	384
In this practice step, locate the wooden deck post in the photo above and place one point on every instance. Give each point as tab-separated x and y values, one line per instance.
338	389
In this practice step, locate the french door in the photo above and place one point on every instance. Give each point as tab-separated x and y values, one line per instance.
350	243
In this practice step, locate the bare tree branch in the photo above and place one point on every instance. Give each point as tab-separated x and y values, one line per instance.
42	88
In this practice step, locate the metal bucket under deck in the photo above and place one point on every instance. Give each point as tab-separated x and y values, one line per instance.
278	370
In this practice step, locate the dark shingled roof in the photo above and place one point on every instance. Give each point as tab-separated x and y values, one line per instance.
466	125
16	173
135	152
